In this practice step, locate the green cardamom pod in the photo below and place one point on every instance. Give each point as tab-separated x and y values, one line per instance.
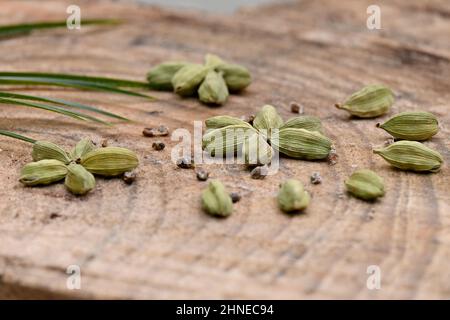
213	89
302	144
110	161
216	200
365	184
309	123
213	61
226	140
256	150
267	119
416	125
43	172
224	121
43	150
292	196
187	80
83	147
78	180
236	77
369	102
160	77
411	155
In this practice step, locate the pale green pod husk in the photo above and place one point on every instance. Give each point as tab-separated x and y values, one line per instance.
213	61
213	89
83	147
416	125
160	76
302	144
79	181
411	155
267	118
292	196
43	150
110	161
224	121
216	200
310	123
187	80
365	184
236	77
369	102
43	172
226	140
256	150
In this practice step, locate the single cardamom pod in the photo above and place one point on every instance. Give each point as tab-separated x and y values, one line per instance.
213	61
47	150
309	123
365	184
216	200
411	155
213	89
110	161
292	196
186	81
78	180
416	125
160	77
226	140
256	150
302	144
43	172
236	77
267	119
83	147
369	102
224	121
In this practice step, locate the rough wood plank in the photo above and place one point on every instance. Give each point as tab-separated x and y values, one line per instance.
151	240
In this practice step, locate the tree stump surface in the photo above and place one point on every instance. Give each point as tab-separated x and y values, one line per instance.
151	239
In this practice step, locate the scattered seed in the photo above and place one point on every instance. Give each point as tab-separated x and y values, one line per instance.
332	157
248	118
163	131
158	145
259	172
54	215
156	132
104	143
297	108
202	174
129	177
235	197
185	163
316	178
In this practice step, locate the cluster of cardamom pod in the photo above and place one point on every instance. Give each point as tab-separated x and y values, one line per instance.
212	81
299	137
52	164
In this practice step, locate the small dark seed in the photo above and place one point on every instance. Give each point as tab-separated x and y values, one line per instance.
158	145
296	108
163	131
248	118
202	174
129	177
316	178
185	163
235	197
54	215
104	143
259	172
148	132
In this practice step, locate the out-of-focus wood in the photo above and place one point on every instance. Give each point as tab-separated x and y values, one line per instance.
151	239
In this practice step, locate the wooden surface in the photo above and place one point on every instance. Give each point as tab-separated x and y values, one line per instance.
151	239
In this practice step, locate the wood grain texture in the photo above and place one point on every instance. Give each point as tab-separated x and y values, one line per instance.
151	239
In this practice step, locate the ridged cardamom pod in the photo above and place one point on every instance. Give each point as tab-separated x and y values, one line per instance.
256	150
110	161
47	150
302	144
83	147
43	172
213	89
236	77
369	102
267	118
411	155
365	184
160	77
226	140
223	121
216	200
416	125
310	123
213	61
187	80
292	196
78	180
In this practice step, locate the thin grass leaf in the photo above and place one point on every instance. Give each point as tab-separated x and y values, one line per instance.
75	115
26	28
61	102
16	136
